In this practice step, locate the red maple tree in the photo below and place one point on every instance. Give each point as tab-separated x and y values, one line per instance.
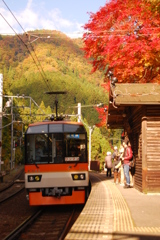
102	115
124	37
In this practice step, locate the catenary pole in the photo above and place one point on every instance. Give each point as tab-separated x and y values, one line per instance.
90	132
79	112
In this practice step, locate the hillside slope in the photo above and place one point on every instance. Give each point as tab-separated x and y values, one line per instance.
51	64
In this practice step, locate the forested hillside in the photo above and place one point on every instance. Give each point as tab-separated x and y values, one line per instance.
51	64
32	67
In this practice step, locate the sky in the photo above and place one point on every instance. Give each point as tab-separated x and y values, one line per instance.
67	16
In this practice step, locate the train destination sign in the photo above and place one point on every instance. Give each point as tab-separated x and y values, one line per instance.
68	159
73	136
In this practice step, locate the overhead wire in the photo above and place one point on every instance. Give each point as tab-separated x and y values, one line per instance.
112	32
101	105
100	31
38	66
120	33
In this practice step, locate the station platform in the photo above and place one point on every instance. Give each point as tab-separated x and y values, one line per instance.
113	212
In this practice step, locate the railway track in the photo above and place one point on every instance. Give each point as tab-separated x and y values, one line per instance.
20	221
12	188
18	230
47	223
14	207
10	182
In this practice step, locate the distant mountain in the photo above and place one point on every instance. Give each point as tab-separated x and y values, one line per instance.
56	63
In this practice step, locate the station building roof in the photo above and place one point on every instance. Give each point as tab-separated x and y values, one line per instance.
123	96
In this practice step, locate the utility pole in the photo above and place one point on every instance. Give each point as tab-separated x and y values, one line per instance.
79	112
1	112
90	132
9	103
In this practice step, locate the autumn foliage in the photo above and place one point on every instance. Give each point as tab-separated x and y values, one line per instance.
102	116
124	36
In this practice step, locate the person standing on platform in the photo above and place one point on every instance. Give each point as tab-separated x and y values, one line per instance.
120	165
108	164
126	162
116	169
115	153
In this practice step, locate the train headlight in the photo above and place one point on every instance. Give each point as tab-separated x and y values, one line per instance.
30	178
34	178
78	176
82	176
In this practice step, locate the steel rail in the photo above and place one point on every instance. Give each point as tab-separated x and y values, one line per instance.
64	232
16	232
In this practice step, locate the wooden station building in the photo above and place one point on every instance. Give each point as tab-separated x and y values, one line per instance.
136	109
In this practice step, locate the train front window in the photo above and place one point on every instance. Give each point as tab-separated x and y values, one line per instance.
56	148
37	148
75	148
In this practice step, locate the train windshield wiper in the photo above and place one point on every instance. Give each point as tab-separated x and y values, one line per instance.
34	162
36	165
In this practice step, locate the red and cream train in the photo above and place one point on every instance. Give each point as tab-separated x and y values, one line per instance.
56	163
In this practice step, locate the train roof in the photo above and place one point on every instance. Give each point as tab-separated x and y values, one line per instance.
56	127
55	122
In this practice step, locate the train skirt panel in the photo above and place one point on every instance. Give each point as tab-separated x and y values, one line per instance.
37	199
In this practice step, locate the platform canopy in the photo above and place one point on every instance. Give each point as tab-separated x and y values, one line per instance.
127	95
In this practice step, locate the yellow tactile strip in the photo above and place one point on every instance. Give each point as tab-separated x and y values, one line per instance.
96	219
122	217
105	214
